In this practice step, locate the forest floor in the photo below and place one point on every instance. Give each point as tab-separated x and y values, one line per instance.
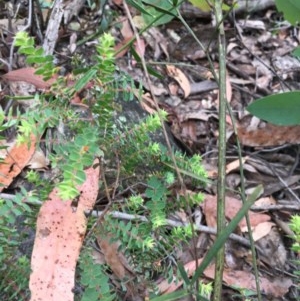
259	63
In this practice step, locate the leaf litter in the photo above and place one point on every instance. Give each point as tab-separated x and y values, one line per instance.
194	120
258	62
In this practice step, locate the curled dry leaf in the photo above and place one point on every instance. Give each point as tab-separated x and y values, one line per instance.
59	236
234	165
147	103
261	230
126	29
173	88
38	160
181	79
127	34
16	159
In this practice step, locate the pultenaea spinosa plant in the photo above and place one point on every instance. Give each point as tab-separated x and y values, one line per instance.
70	150
75	147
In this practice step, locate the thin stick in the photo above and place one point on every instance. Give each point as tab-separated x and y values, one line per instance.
221	185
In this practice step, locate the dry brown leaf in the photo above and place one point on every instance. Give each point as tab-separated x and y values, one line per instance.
185	131
269	135
188	132
181	79
16	159
193	109
111	255
232	206
28	75
273	251
118	263
261	230
234	165
265	201
228	89
38	160
120	45
231	46
157	41
147	103
228	120
197	114
264	73
127	34
158	90
59	236
263	81
212	174
126	30
173	88
140	47
278	287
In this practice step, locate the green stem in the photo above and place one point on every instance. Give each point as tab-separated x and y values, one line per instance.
221	186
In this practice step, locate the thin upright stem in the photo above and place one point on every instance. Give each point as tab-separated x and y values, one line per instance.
221	185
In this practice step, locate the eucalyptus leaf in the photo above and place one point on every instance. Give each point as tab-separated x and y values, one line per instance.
290	9
280	109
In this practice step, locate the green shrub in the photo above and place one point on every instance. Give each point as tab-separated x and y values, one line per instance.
74	136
